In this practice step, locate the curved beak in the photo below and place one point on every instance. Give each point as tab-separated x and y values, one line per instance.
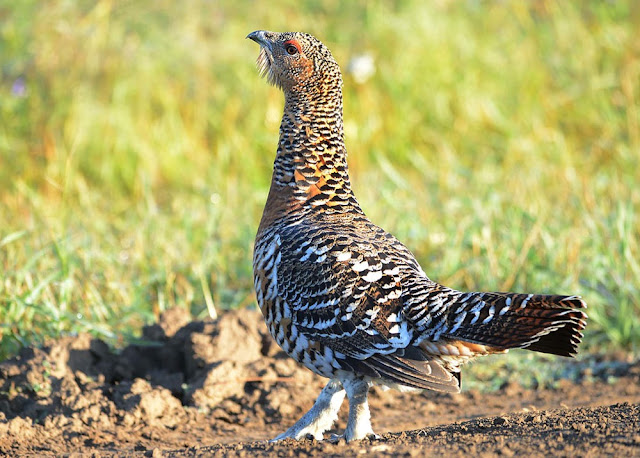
259	36
265	59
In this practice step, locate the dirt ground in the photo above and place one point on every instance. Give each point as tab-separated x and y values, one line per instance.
218	388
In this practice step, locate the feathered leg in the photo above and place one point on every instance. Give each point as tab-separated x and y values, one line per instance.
359	423
321	416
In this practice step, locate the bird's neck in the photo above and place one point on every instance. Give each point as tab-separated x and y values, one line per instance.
310	169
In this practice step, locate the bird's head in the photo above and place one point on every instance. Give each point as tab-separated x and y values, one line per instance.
296	61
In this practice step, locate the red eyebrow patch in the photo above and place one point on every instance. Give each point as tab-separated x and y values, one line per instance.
294	43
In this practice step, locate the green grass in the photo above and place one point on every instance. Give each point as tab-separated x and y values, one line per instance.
499	140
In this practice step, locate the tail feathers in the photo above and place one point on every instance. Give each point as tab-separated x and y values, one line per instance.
543	323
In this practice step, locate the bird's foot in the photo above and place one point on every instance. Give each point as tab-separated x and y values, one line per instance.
335	438
359	423
299	431
321	416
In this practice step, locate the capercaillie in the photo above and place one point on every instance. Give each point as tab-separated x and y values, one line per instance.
344	297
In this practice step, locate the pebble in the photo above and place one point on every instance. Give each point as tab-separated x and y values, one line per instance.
500	421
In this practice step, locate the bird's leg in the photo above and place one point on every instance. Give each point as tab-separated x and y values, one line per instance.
359	423
321	416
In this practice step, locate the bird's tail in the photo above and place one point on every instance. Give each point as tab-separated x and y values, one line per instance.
544	323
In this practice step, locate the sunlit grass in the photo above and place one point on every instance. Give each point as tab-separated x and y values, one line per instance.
499	141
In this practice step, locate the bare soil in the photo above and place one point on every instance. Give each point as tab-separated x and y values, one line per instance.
218	388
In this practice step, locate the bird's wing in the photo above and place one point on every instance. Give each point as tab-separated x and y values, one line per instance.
346	292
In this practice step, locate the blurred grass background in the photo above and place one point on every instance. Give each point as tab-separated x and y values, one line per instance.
499	140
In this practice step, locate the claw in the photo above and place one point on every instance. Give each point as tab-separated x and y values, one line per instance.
336	438
295	434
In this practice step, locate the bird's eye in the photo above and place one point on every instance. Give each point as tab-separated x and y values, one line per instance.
292	48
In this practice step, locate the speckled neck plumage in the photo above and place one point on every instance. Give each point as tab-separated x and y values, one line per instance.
310	168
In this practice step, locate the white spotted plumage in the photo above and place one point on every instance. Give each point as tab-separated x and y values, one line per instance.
347	299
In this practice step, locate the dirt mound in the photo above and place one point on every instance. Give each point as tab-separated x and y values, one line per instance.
182	372
196	384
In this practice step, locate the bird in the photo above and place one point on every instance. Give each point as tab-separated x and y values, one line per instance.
345	298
